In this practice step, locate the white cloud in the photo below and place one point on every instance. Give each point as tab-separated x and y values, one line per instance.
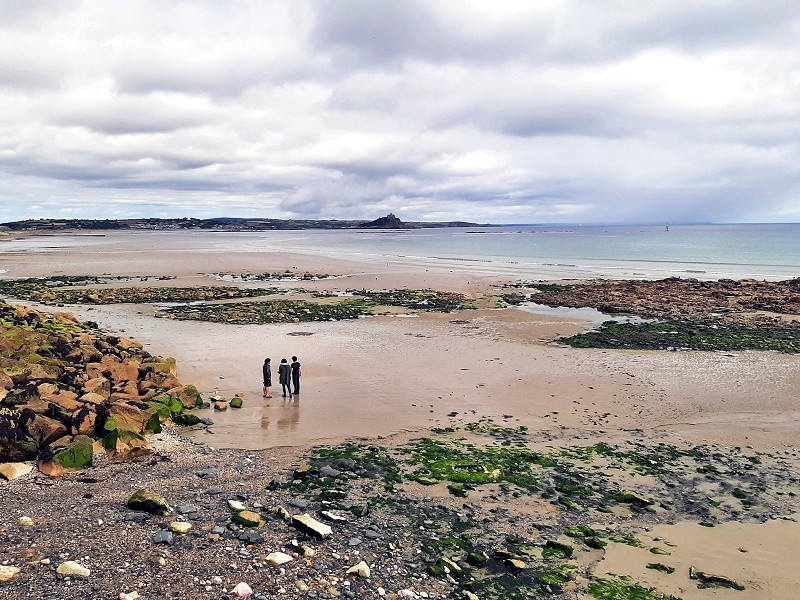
515	111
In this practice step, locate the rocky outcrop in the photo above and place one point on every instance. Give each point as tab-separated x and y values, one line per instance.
65	384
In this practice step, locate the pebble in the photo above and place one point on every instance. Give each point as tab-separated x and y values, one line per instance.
72	569
354	542
361	569
277	559
25	522
163	537
7	573
242	590
236	505
180	527
129	596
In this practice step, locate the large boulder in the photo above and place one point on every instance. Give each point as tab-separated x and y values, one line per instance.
98	385
15	443
188	396
128	416
123	444
66	455
44	429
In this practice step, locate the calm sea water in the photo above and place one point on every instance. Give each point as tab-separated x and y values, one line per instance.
770	251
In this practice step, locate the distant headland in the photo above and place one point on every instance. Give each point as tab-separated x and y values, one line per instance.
390	221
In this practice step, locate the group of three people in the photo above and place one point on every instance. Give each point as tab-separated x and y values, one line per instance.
288	377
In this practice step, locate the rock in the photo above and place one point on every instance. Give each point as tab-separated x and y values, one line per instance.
235	505
276	559
307	551
236	402
207	473
354	542
162	536
25	522
72	569
305	470
99	386
470	596
130	417
72	456
328	471
242	590
134	595
308	524
44	429
220	405
150	502
92	398
451	564
361	569
7	573
11	471
332	516
180	527
515	564
248	518
185	509
281	512
15	443
124	444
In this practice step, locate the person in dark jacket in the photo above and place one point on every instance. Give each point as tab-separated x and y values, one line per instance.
284	377
295	375
266	371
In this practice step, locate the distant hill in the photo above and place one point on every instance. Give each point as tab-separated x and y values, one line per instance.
387	222
390	221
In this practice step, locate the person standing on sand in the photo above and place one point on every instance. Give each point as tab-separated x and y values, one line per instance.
266	371
296	375
284	377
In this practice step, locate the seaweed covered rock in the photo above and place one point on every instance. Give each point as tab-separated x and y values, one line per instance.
145	500
66	455
65	384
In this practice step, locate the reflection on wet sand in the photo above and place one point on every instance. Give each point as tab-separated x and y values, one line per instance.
283	416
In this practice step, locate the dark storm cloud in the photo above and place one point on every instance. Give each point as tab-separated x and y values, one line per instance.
490	111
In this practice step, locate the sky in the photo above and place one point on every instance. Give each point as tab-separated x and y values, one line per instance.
546	111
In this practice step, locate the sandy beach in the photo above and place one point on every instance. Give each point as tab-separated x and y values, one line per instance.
390	378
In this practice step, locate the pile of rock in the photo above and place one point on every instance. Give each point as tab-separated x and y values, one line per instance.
67	389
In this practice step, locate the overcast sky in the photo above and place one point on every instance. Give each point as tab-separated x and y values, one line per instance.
501	111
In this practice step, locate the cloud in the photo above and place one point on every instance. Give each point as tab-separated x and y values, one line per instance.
509	112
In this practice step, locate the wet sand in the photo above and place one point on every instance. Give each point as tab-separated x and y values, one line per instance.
383	375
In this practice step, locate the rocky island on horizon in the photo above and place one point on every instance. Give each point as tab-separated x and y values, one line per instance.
390	221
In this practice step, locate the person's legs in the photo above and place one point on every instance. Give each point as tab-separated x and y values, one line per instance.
296	381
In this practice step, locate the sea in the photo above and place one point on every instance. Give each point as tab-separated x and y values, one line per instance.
735	251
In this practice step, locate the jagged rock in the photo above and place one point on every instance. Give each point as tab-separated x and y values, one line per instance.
83	421
72	569
124	444
7	573
66	456
145	500
99	385
281	512
15	443
515	564
307	524
44	429
163	536
361	569
236	506
14	470
130	417
92	398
